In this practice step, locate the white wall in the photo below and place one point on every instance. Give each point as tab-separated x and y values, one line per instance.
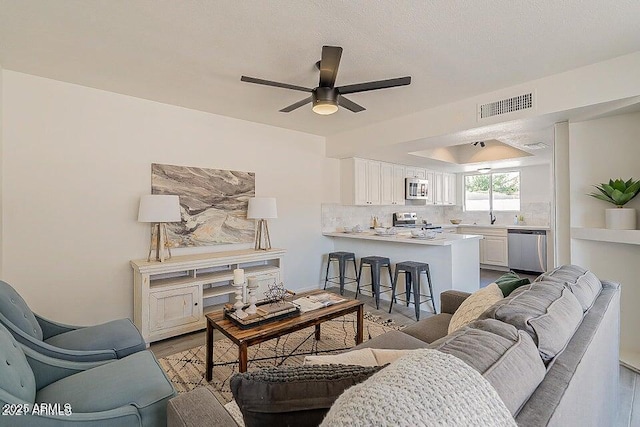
561	216
1	169
75	162
599	150
535	184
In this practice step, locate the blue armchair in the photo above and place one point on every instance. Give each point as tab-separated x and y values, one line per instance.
107	341
38	390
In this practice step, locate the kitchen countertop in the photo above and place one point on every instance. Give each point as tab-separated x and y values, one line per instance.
444	239
501	226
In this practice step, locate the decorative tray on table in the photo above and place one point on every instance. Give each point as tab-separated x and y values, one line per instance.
268	311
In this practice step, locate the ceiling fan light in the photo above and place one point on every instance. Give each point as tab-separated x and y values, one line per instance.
324	108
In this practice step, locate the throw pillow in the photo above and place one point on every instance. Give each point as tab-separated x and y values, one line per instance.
386	356
510	281
361	357
293	396
474	306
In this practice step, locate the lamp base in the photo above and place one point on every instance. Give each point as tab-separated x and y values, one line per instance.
263	241
159	243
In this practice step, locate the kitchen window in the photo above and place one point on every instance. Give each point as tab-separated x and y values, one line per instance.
498	191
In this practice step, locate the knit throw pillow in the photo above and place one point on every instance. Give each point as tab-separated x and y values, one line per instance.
474	306
294	396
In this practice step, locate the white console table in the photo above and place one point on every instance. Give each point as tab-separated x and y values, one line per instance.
172	297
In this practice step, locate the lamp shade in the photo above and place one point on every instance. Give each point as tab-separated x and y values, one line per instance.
159	208
262	208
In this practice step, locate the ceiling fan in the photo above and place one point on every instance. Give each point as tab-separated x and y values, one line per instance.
326	97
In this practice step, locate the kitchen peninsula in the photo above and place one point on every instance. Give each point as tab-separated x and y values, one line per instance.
453	259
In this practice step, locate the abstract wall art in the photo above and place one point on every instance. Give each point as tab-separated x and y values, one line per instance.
213	204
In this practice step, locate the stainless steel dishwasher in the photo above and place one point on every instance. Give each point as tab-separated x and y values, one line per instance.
527	250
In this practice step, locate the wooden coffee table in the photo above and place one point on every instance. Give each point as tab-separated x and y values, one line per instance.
245	338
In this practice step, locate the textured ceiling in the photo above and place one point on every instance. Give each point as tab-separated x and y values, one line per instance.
192	53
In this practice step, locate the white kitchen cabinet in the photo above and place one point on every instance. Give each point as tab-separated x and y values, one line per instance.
444	188
449	189
386	184
493	251
370	182
494	247
430	186
360	181
438	188
391	184
172	297
413	172
399	173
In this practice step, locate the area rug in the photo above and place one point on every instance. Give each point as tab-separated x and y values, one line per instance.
186	369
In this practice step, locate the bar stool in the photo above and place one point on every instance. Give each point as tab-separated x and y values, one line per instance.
376	263
412	271
342	258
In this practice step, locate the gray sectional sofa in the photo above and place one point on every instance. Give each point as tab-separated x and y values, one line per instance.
550	350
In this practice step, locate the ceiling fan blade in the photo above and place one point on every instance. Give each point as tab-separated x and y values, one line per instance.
296	105
380	84
349	105
276	84
329	65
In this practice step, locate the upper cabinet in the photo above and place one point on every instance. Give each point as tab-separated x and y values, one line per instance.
413	172
444	188
392	184
370	182
360	181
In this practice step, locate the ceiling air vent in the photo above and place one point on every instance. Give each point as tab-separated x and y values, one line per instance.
509	105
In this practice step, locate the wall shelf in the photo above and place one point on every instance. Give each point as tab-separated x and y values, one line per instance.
629	237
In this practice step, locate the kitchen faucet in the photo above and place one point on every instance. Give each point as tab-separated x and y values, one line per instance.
492	217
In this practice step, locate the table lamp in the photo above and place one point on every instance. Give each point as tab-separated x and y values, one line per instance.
159	209
262	208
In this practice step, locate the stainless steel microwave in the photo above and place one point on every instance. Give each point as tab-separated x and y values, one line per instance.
416	189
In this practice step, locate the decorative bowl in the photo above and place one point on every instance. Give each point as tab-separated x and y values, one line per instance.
455	221
385	231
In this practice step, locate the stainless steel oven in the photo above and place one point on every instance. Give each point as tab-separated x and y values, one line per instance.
416	189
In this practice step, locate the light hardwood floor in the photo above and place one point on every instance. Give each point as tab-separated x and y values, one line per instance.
629	392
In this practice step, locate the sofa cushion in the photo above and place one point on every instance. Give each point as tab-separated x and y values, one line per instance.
15	310
474	306
119	335
430	329
137	380
506	357
583	283
295	396
16	376
547	311
510	281
359	357
394	340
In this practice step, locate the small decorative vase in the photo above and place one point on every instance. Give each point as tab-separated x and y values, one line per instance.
620	219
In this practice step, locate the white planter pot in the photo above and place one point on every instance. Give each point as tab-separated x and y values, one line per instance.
620	219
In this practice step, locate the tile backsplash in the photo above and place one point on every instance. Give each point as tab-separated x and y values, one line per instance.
336	216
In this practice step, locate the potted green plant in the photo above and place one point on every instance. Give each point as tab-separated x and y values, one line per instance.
619	193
